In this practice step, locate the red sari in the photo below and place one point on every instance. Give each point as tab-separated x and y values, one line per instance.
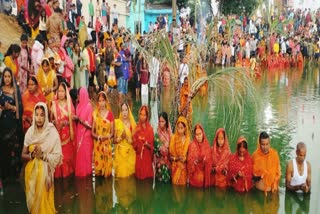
220	160
240	184
63	115
144	154
199	161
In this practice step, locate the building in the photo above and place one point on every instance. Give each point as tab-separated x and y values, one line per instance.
142	13
121	7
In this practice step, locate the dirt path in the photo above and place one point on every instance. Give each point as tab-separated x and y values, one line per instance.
10	31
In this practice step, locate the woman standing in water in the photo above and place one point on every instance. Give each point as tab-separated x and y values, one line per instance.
42	151
62	111
84	143
199	159
10	128
220	159
162	140
178	150
102	132
143	140
124	154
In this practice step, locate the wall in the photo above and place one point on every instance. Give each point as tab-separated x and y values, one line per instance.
135	16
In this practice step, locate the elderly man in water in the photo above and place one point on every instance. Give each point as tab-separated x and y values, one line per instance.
298	173
266	165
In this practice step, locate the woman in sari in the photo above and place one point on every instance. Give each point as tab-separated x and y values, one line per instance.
124	154
10	128
79	72
62	111
220	159
241	167
143	141
48	81
102	132
42	151
11	59
185	107
29	99
178	149
161	148
24	61
84	145
199	159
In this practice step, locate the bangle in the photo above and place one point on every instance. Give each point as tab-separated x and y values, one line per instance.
32	155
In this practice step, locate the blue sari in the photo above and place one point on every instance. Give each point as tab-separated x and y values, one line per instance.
11	133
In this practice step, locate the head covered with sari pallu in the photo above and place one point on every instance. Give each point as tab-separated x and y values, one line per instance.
220	158
178	150
130	116
84	102
199	159
29	100
69	106
243	167
146	109
49	142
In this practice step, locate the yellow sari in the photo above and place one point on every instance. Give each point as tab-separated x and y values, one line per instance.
10	63
179	149
46	80
124	154
39	172
102	150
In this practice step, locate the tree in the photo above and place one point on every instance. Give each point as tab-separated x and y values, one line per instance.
237	6
180	3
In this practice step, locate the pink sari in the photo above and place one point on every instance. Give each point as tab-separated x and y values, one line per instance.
84	139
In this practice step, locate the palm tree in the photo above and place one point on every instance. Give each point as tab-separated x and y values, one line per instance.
233	87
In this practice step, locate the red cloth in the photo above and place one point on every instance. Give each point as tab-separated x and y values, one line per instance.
220	159
143	153
199	161
48	10
92	61
245	167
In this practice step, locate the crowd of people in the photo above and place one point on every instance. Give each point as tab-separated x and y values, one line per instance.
60	97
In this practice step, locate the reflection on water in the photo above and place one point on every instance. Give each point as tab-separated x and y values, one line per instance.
297	203
290	112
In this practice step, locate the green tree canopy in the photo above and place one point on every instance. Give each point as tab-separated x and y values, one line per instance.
237	6
180	3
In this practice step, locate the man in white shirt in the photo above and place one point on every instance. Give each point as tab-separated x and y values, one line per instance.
298	173
154	74
183	70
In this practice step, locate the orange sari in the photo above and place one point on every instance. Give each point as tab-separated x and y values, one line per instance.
29	101
179	149
184	97
220	160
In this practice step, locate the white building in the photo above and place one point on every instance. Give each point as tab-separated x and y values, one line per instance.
121	6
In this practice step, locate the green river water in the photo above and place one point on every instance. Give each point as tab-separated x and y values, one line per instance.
290	113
